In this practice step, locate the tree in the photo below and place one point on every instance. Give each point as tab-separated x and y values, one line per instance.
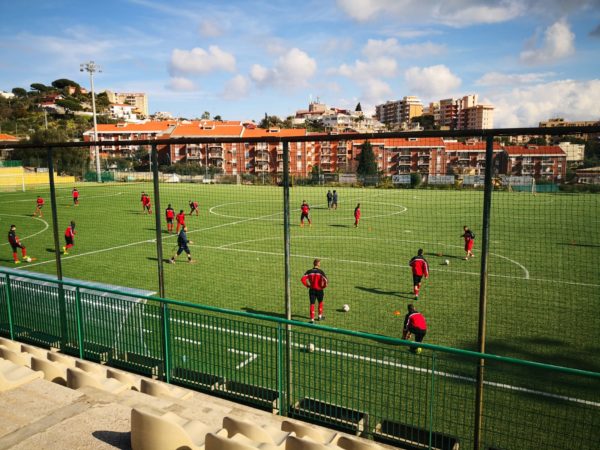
270	122
62	83
539	140
19	92
358	108
102	101
70	104
366	160
39	87
427	121
218	118
205	115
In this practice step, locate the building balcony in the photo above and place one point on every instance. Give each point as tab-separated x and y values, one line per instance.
215	155
261	156
193	156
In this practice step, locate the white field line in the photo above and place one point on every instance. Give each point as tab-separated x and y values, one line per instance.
191	341
31	235
252	357
65	196
391	363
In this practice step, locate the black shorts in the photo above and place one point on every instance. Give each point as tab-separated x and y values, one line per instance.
183	248
169	220
15	247
417	279
69	240
303	216
316	295
419	334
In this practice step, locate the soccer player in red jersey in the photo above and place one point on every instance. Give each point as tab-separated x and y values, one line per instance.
304	210
420	269
39	204
75	197
356	215
180	218
69	237
316	281
469	238
193	207
415	323
15	243
170	215
143	200
147	204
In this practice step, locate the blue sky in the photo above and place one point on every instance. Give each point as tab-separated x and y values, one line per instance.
531	59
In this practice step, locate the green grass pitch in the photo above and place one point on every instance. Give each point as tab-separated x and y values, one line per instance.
544	266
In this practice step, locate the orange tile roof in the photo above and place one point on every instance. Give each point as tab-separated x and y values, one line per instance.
207	129
541	150
406	142
284	132
153	126
8	137
474	146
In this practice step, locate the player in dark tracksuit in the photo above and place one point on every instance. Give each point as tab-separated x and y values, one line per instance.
469	238
316	281
182	243
69	238
15	244
420	269
414	322
304	213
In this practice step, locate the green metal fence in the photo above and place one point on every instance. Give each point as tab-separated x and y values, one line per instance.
361	383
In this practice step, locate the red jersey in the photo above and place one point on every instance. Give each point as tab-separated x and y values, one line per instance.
75	194
146	201
69	232
40	201
315	279
419	266
357	213
415	320
304	208
195	205
170	213
180	218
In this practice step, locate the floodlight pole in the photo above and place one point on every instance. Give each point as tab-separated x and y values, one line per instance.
483	285
91	67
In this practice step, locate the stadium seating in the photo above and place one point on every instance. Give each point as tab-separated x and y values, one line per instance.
354	444
90	367
77	379
158	389
61	359
10	344
265	435
125	378
152	431
12	375
20	359
238	442
303	431
295	443
53	371
34	351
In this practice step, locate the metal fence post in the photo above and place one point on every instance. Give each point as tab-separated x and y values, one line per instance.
483	284
165	344
432	400
287	282
280	368
61	291
157	215
78	314
9	306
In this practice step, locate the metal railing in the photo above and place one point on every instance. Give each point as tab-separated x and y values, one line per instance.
361	383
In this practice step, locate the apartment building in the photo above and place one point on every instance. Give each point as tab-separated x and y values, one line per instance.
467	158
548	162
575	152
399	112
560	122
137	99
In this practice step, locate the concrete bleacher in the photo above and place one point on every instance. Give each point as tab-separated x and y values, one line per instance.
51	400
18	176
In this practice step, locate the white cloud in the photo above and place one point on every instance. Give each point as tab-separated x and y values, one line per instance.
522	107
380	67
291	69
508	79
200	61
236	88
375	47
453	13
181	84
337	44
559	42
209	28
431	82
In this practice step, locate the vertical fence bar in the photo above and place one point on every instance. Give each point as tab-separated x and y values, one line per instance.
165	344
280	368
287	282
61	290
431	400
79	316
483	284
157	213
9	307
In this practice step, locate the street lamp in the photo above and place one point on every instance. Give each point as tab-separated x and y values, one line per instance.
91	67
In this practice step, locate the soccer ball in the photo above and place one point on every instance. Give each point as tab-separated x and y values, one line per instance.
27	259
310	347
346	308
447	262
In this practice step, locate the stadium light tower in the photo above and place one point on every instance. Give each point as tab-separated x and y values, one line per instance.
92	68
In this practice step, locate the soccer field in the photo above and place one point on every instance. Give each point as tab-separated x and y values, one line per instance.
544	267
